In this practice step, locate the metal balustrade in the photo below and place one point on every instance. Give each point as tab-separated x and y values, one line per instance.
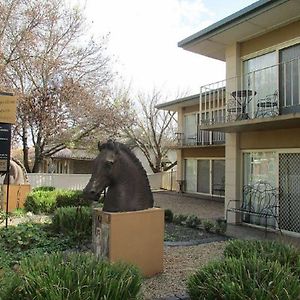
201	138
267	92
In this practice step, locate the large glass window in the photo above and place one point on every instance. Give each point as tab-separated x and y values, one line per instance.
289	78
260	166
205	176
190	129
203	182
218	177
261	76
191	175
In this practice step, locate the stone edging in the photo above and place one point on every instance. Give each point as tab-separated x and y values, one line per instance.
197	242
176	297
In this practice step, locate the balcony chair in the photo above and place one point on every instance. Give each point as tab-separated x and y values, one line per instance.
268	106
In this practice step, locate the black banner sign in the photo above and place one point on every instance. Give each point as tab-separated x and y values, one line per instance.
5	141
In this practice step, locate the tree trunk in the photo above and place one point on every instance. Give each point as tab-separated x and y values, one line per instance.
25	150
38	158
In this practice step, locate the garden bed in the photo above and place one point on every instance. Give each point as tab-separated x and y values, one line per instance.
178	235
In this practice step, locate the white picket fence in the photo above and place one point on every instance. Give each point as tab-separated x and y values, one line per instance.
59	181
77	181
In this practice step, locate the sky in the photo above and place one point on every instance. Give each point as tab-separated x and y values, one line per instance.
144	36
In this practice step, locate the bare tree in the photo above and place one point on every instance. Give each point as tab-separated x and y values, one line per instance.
152	131
62	77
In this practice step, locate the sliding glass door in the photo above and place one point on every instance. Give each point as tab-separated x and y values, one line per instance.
205	176
261	77
191	175
289	79
203	180
282	171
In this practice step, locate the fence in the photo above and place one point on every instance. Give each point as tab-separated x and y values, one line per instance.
59	181
79	181
168	181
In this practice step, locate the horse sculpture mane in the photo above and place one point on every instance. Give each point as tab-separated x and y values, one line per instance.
117	168
17	173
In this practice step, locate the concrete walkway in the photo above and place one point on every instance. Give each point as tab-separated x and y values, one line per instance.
188	204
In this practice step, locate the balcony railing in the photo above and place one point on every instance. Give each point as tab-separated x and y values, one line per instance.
267	92
201	138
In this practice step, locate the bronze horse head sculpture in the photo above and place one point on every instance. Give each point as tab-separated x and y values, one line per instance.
117	168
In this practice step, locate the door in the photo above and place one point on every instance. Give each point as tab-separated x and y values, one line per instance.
190	129
289	182
289	79
218	177
203	179
260	77
191	175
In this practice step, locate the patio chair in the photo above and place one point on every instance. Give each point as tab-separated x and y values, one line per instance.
268	106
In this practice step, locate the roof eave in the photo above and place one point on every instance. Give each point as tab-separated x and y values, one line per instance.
221	25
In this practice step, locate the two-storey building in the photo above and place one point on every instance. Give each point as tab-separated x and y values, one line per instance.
257	105
200	153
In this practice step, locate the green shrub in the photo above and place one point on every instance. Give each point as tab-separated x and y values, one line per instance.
168	215
221	226
66	198
17	242
18	212
22	236
75	222
208	225
2	216
44	189
240	279
179	219
41	202
192	221
268	250
72	277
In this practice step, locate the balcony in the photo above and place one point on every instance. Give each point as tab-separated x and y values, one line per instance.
264	99
201	138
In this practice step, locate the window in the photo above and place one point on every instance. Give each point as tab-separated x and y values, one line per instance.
190	129
259	166
289	78
205	176
203	180
191	175
261	76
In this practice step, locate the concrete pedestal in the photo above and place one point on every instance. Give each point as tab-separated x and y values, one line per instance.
133	237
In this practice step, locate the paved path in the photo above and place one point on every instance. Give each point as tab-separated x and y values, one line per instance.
189	205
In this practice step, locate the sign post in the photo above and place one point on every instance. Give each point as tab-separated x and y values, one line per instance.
8	107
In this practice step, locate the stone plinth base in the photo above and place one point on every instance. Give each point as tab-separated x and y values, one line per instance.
133	237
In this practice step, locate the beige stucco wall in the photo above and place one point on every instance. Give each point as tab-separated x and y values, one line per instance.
275	139
270	39
271	139
261	140
204	152
190	109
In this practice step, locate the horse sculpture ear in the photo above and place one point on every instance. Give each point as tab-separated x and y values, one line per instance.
116	148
